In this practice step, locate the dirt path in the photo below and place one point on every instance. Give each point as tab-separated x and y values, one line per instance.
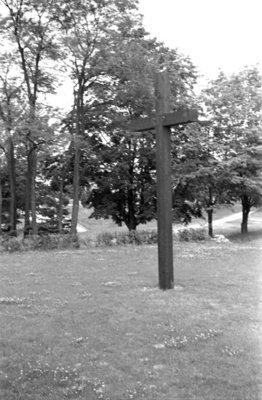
233	222
230	223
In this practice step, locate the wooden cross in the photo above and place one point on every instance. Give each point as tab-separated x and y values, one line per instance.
162	123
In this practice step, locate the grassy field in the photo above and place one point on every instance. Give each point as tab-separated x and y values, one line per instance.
92	324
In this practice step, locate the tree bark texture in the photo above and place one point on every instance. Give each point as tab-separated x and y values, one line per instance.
60	205
210	222
12	183
210	211
33	189
1	206
28	184
245	213
75	206
132	224
79	124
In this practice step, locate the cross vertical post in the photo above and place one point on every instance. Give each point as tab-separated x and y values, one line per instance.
164	192
162	123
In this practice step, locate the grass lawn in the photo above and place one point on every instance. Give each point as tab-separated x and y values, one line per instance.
92	324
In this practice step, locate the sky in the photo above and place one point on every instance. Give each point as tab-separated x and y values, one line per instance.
215	34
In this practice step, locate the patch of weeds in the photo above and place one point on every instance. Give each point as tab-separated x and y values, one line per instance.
36	379
84	294
159	346
191	235
176	342
139	392
10	301
148	237
52	242
105	239
150	288
78	341
231	352
126	238
111	284
208	334
48	305
76	284
86	242
11	244
179	342
41	242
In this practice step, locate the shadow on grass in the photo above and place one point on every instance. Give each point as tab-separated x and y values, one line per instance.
251	236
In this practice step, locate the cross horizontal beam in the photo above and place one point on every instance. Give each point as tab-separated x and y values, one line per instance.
170	119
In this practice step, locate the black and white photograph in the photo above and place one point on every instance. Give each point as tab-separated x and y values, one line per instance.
130	200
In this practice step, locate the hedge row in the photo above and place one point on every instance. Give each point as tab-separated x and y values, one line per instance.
45	242
55	241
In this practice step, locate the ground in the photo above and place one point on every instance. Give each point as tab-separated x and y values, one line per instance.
92	324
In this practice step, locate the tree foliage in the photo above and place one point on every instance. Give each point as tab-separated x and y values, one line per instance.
125	180
28	29
233	106
89	154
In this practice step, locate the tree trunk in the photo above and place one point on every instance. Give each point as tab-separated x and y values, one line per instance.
132	223
33	189
245	213
30	192
79	132
28	184
12	183
210	222
60	206
75	206
27	225
1	206
210	211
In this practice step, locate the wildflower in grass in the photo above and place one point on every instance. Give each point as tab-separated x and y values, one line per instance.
11	300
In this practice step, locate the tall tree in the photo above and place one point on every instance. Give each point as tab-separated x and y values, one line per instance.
29	28
126	175
91	30
11	113
200	180
124	181
234	107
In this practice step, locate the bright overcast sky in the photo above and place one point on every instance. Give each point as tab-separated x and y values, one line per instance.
215	34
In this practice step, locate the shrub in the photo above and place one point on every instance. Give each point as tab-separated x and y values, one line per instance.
86	242
51	242
192	234
148	237
105	239
126	238
66	241
43	242
11	244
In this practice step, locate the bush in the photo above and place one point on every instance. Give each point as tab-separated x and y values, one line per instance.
126	238
148	237
192	234
51	242
86	242
105	239
44	242
66	241
10	244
